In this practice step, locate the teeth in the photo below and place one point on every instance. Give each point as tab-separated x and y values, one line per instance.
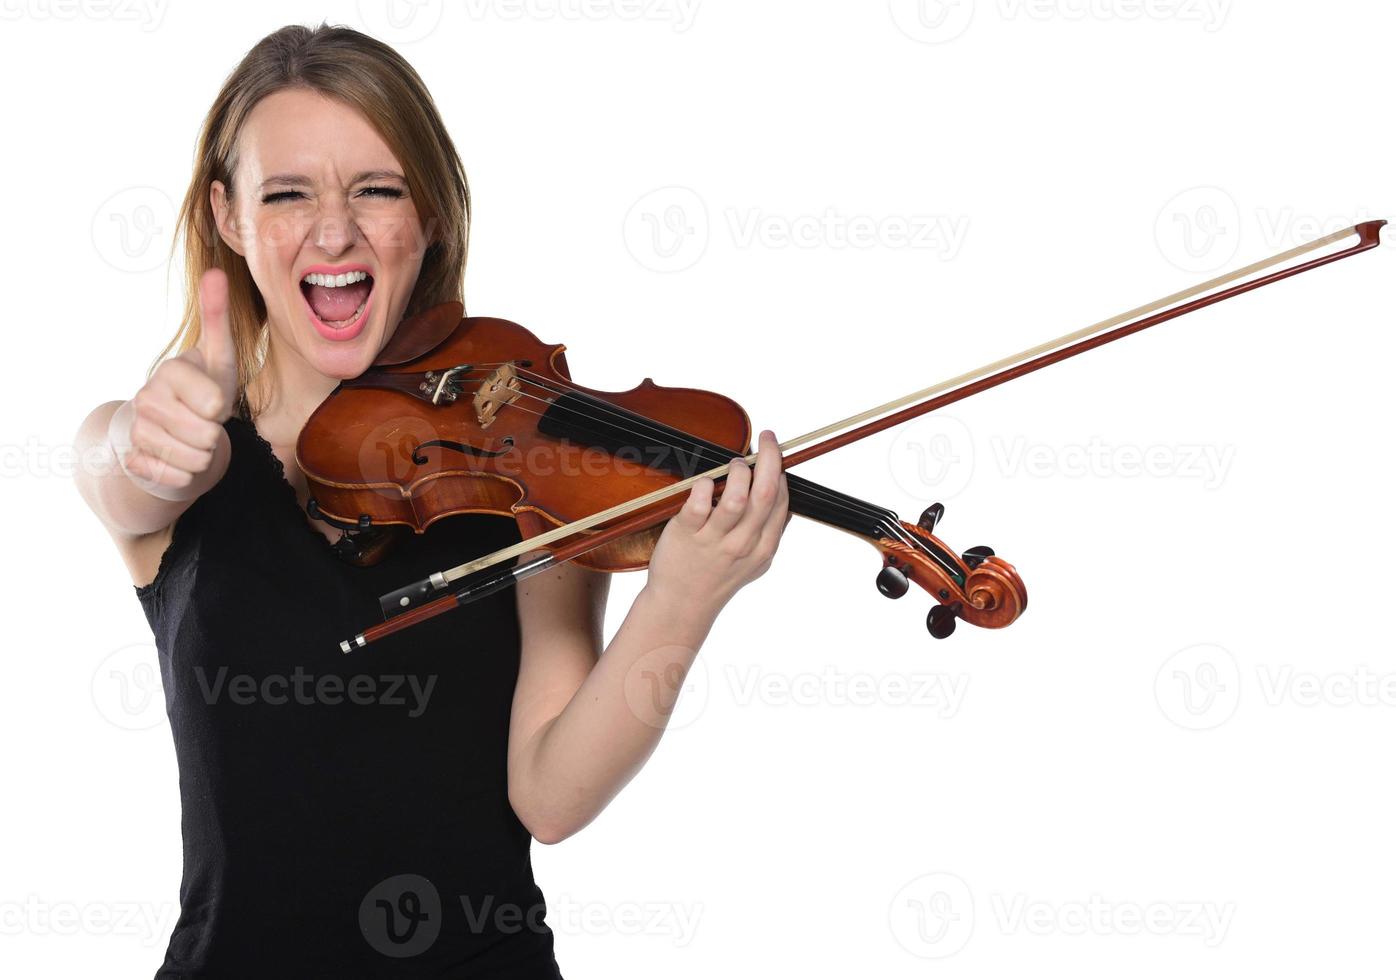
348	278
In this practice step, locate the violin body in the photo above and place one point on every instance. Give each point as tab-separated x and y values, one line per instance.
504	435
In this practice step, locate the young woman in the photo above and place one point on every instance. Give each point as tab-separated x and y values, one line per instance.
366	817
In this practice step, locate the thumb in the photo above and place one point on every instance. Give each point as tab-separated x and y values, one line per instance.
215	344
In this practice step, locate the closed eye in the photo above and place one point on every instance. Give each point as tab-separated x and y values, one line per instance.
390	193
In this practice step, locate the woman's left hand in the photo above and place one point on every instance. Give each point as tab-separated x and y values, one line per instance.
706	554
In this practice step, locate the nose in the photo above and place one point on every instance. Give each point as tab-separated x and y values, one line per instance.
335	230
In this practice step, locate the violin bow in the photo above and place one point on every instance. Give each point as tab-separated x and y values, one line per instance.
413	604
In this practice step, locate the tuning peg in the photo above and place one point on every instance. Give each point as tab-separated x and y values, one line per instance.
940	621
892	582
976	555
930	517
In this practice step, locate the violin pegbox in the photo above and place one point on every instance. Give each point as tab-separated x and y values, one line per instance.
977	587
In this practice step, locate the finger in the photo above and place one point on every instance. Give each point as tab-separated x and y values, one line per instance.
761	496
191	385
151	439
696	509
185	424
216	333
733	503
766	482
776	522
155	472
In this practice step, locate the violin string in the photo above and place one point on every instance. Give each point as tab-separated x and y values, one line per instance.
881	518
885	520
849	505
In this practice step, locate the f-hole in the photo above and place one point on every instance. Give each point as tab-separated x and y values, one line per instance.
460	447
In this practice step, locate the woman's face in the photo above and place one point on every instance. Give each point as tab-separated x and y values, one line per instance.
321	212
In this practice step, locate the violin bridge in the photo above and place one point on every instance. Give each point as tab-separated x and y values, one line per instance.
500	388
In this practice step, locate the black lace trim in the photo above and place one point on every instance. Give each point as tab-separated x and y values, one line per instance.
250	451
177	534
277	471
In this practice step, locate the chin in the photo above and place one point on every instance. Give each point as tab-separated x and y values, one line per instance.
343	361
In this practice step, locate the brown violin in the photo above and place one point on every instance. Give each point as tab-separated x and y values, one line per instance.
476	415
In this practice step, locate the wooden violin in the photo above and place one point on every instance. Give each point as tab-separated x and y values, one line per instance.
476	415
463	416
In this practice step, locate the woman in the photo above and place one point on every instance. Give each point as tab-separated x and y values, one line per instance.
371	816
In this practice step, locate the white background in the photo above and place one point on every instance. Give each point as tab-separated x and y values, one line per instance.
1177	761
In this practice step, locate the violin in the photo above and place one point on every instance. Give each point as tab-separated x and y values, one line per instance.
476	415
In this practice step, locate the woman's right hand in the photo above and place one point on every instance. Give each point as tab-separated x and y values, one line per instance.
167	437
706	553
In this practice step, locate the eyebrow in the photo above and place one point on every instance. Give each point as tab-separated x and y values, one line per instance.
298	180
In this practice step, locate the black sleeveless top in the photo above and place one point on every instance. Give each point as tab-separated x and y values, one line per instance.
343	815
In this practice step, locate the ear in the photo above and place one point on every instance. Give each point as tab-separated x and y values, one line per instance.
222	206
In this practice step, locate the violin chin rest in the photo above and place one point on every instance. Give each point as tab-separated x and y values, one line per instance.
420	334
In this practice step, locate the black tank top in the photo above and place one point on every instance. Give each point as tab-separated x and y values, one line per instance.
343	815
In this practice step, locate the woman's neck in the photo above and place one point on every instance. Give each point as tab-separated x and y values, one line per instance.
284	393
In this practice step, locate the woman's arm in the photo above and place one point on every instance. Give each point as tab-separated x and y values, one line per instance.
583	724
146	460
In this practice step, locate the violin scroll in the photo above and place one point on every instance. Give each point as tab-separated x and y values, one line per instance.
977	587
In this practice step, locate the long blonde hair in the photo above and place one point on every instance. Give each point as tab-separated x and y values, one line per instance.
368	75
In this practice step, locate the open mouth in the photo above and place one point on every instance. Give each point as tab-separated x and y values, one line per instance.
338	302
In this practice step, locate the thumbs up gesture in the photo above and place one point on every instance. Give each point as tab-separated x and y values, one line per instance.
167	437
214	354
